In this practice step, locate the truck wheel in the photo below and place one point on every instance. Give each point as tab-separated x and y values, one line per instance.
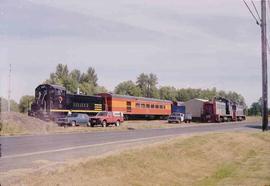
117	123
73	123
104	123
88	124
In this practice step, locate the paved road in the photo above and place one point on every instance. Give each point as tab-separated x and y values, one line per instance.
24	151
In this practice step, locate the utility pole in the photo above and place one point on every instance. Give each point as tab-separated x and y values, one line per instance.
264	68
9	87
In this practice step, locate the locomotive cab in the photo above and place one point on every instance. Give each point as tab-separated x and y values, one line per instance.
47	97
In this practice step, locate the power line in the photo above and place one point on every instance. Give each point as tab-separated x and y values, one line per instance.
257	22
256	10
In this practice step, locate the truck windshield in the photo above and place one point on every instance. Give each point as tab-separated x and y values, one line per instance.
73	115
102	114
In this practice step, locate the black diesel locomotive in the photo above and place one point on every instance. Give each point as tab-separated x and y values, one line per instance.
52	101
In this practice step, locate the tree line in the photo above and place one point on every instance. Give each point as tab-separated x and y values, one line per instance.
146	85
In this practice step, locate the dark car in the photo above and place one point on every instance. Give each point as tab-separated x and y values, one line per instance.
75	119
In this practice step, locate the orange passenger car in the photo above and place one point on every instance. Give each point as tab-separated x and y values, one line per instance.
137	107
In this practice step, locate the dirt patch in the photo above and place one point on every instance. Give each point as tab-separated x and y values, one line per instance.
13	123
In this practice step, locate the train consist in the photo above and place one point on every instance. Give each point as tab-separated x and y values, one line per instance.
53	101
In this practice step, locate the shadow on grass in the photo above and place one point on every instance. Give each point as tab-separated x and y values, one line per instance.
254	127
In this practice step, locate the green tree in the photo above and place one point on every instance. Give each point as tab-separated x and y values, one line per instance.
148	85
127	88
62	77
142	83
168	93
182	95
75	75
14	107
100	89
208	94
87	88
87	82
256	108
90	76
25	102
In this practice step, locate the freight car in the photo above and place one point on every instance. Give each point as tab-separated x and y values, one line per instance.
178	107
221	110
137	107
52	101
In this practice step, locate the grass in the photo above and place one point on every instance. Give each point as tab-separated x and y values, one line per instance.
11	129
211	159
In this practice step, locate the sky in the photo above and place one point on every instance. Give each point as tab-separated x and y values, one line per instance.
197	44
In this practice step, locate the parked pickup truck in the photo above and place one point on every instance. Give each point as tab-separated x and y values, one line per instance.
106	118
176	117
74	119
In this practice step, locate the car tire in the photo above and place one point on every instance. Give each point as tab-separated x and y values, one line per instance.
73	123
88	124
104	123
117	124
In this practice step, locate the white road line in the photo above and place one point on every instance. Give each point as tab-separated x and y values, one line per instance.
83	146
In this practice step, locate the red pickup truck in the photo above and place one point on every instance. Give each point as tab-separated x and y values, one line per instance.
106	118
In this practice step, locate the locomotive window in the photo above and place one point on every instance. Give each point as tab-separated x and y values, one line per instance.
58	92
137	105
156	106
142	105
161	106
152	106
147	106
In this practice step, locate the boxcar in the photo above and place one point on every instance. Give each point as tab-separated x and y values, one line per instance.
178	107
137	107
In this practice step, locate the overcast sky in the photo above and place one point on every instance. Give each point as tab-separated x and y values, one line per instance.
197	44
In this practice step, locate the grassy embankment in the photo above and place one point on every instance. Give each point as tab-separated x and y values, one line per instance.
204	160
